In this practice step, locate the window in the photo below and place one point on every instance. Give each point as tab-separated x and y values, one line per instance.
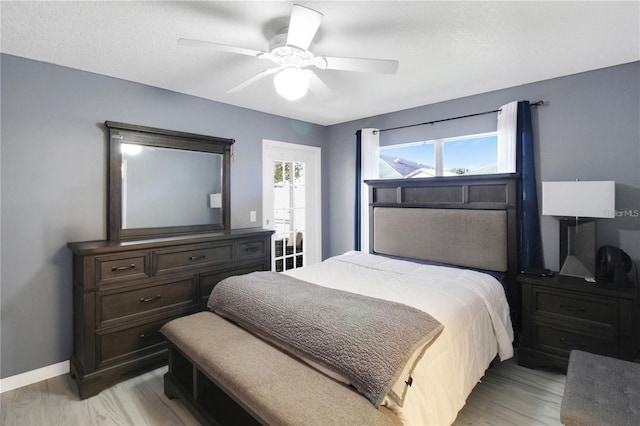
464	155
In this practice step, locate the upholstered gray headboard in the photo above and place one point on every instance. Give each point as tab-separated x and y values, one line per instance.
471	238
469	221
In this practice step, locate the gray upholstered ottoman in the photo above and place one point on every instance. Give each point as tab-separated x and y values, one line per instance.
601	391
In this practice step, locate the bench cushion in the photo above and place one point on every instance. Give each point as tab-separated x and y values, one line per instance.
600	391
277	388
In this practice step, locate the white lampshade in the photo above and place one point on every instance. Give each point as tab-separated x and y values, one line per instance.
291	83
579	199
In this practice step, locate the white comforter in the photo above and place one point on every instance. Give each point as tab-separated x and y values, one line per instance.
471	306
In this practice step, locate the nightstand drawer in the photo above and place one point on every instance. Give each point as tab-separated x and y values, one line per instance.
586	308
562	341
141	301
563	313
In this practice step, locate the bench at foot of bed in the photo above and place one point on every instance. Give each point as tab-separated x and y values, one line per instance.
225	375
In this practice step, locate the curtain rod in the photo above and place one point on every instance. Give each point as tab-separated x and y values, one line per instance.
535	104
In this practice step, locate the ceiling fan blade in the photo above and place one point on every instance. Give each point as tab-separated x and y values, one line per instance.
382	66
221	47
303	25
317	86
254	79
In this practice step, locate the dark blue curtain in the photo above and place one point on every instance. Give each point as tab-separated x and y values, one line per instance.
530	244
358	197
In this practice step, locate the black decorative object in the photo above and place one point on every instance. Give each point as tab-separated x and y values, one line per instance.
613	265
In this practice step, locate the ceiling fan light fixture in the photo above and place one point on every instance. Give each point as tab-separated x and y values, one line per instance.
289	50
291	83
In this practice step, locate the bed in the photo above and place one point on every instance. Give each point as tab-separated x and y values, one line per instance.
444	247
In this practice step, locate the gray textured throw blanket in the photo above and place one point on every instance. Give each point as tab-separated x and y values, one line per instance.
364	339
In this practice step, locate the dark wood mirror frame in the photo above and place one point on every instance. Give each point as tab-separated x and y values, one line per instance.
117	132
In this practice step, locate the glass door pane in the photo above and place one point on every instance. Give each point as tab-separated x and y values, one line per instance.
289	215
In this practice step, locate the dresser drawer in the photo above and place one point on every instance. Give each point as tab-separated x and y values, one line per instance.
560	341
193	257
142	301
252	249
130	343
576	306
121	267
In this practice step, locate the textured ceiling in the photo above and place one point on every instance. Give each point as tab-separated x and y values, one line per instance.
446	50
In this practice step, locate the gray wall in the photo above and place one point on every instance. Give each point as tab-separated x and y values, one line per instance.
54	183
589	128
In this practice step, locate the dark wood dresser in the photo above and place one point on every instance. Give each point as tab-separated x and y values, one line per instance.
563	313
124	291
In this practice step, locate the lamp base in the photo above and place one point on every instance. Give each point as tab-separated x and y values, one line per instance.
578	248
574	267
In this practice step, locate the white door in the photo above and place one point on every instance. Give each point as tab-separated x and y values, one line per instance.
291	203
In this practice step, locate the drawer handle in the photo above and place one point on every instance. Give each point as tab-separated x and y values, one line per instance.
202	256
123	268
572	342
150	299
251	249
148	335
573	308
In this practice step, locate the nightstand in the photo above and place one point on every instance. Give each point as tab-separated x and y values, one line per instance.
563	313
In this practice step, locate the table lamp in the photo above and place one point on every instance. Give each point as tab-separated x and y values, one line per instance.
576	204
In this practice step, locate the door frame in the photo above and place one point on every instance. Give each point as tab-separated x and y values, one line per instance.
313	217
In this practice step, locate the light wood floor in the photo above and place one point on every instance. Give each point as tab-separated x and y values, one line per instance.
508	395
513	395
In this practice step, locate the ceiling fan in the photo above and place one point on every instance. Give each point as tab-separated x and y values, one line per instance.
289	51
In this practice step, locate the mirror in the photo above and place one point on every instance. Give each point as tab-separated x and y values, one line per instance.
166	183
169	187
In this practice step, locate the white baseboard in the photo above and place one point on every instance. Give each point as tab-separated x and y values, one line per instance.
33	376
